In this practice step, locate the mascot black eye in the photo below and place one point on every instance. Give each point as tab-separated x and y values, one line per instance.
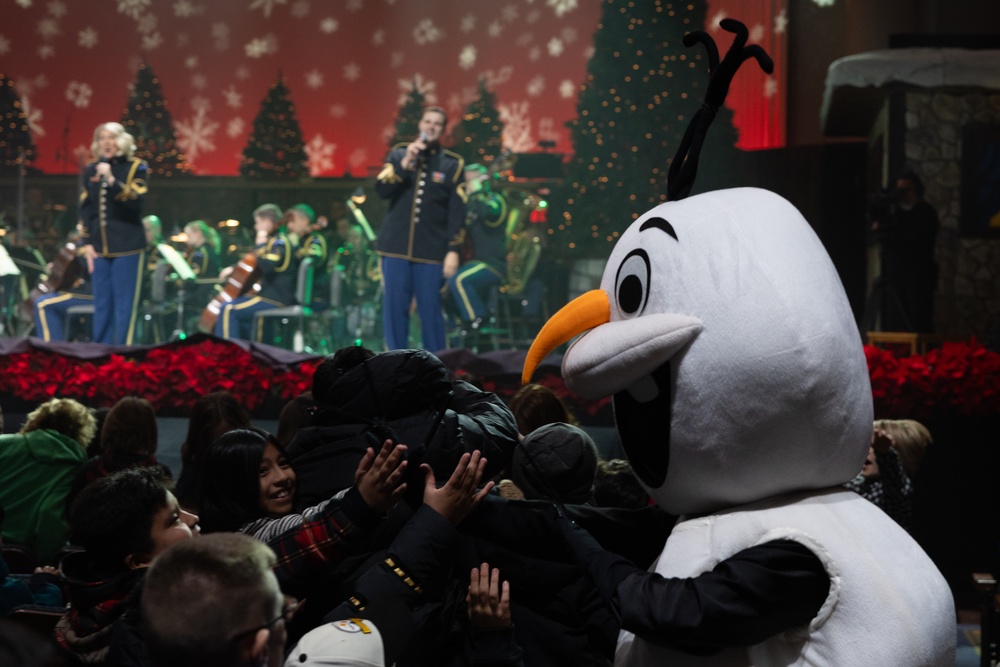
632	283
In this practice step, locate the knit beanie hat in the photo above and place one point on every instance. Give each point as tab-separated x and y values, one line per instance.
556	462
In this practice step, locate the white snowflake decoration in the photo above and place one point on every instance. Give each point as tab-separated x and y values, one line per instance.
4	45
494	29
87	38
568	34
195	135
314	79
184	9
533	16
352	71
338	110
256	47
562	6
182	39
233	98
555	47
301	9
517	127
320	154
220	31
417	82
426	32
467	58
824	3
199	81
378	37
547	130
355	5
510	13
235	127
41	81
79	94
536	86
493	78
359	156
48	28
329	25
191	62
133	8
46	51
396	59
781	22
33	116
567	89
24	3
266	5
200	104
770	87
150	42
714	24
588	52
756	33
524	39
242	72
534	53
146	24
468	23
57	8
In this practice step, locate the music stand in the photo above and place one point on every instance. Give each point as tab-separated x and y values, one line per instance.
7	268
184	273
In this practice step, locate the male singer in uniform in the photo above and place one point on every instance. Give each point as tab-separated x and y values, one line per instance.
422	231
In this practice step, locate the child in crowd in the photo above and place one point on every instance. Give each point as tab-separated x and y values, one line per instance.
535	405
123	522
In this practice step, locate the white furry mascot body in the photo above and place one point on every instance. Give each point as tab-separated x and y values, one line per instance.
742	401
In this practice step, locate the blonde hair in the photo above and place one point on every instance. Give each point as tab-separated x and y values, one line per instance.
911	439
66	416
124	140
208	231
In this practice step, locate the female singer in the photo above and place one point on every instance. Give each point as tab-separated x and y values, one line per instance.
114	187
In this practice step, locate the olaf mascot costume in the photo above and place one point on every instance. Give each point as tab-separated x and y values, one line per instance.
742	401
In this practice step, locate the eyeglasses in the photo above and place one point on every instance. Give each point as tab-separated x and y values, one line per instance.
288	611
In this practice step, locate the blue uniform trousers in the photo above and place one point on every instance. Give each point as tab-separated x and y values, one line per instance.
236	317
117	283
50	313
467	286
402	280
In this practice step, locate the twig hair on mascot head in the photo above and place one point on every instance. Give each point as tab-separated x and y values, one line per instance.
742	400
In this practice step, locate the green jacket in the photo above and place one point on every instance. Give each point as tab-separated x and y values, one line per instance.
36	472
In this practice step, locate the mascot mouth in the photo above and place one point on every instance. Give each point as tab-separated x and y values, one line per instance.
642	416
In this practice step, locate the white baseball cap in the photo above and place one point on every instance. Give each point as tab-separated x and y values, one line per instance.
351	642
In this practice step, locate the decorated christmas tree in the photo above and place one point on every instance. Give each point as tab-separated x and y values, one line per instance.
478	137
16	145
275	148
148	120
408	119
641	89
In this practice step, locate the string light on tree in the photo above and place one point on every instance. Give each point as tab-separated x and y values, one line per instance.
640	86
17	147
275	148
478	137
147	118
408	119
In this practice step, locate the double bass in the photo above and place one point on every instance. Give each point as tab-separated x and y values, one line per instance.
243	279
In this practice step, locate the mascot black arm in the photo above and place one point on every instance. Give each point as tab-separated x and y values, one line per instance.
755	594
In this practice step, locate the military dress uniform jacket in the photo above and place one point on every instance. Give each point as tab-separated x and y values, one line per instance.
278	269
112	214
426	206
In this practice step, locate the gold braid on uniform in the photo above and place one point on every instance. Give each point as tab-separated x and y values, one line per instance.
403	576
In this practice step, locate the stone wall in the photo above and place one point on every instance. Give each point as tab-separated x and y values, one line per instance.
968	294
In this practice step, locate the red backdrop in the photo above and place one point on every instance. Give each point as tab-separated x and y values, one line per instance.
347	65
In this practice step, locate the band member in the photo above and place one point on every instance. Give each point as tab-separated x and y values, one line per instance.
421	234
278	268
204	255
50	309
486	222
114	188
304	232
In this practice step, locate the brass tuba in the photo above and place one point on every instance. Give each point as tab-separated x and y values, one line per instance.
524	248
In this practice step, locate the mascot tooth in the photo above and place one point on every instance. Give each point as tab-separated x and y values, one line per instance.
742	401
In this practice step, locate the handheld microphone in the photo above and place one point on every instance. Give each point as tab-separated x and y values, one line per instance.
424	137
104	177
